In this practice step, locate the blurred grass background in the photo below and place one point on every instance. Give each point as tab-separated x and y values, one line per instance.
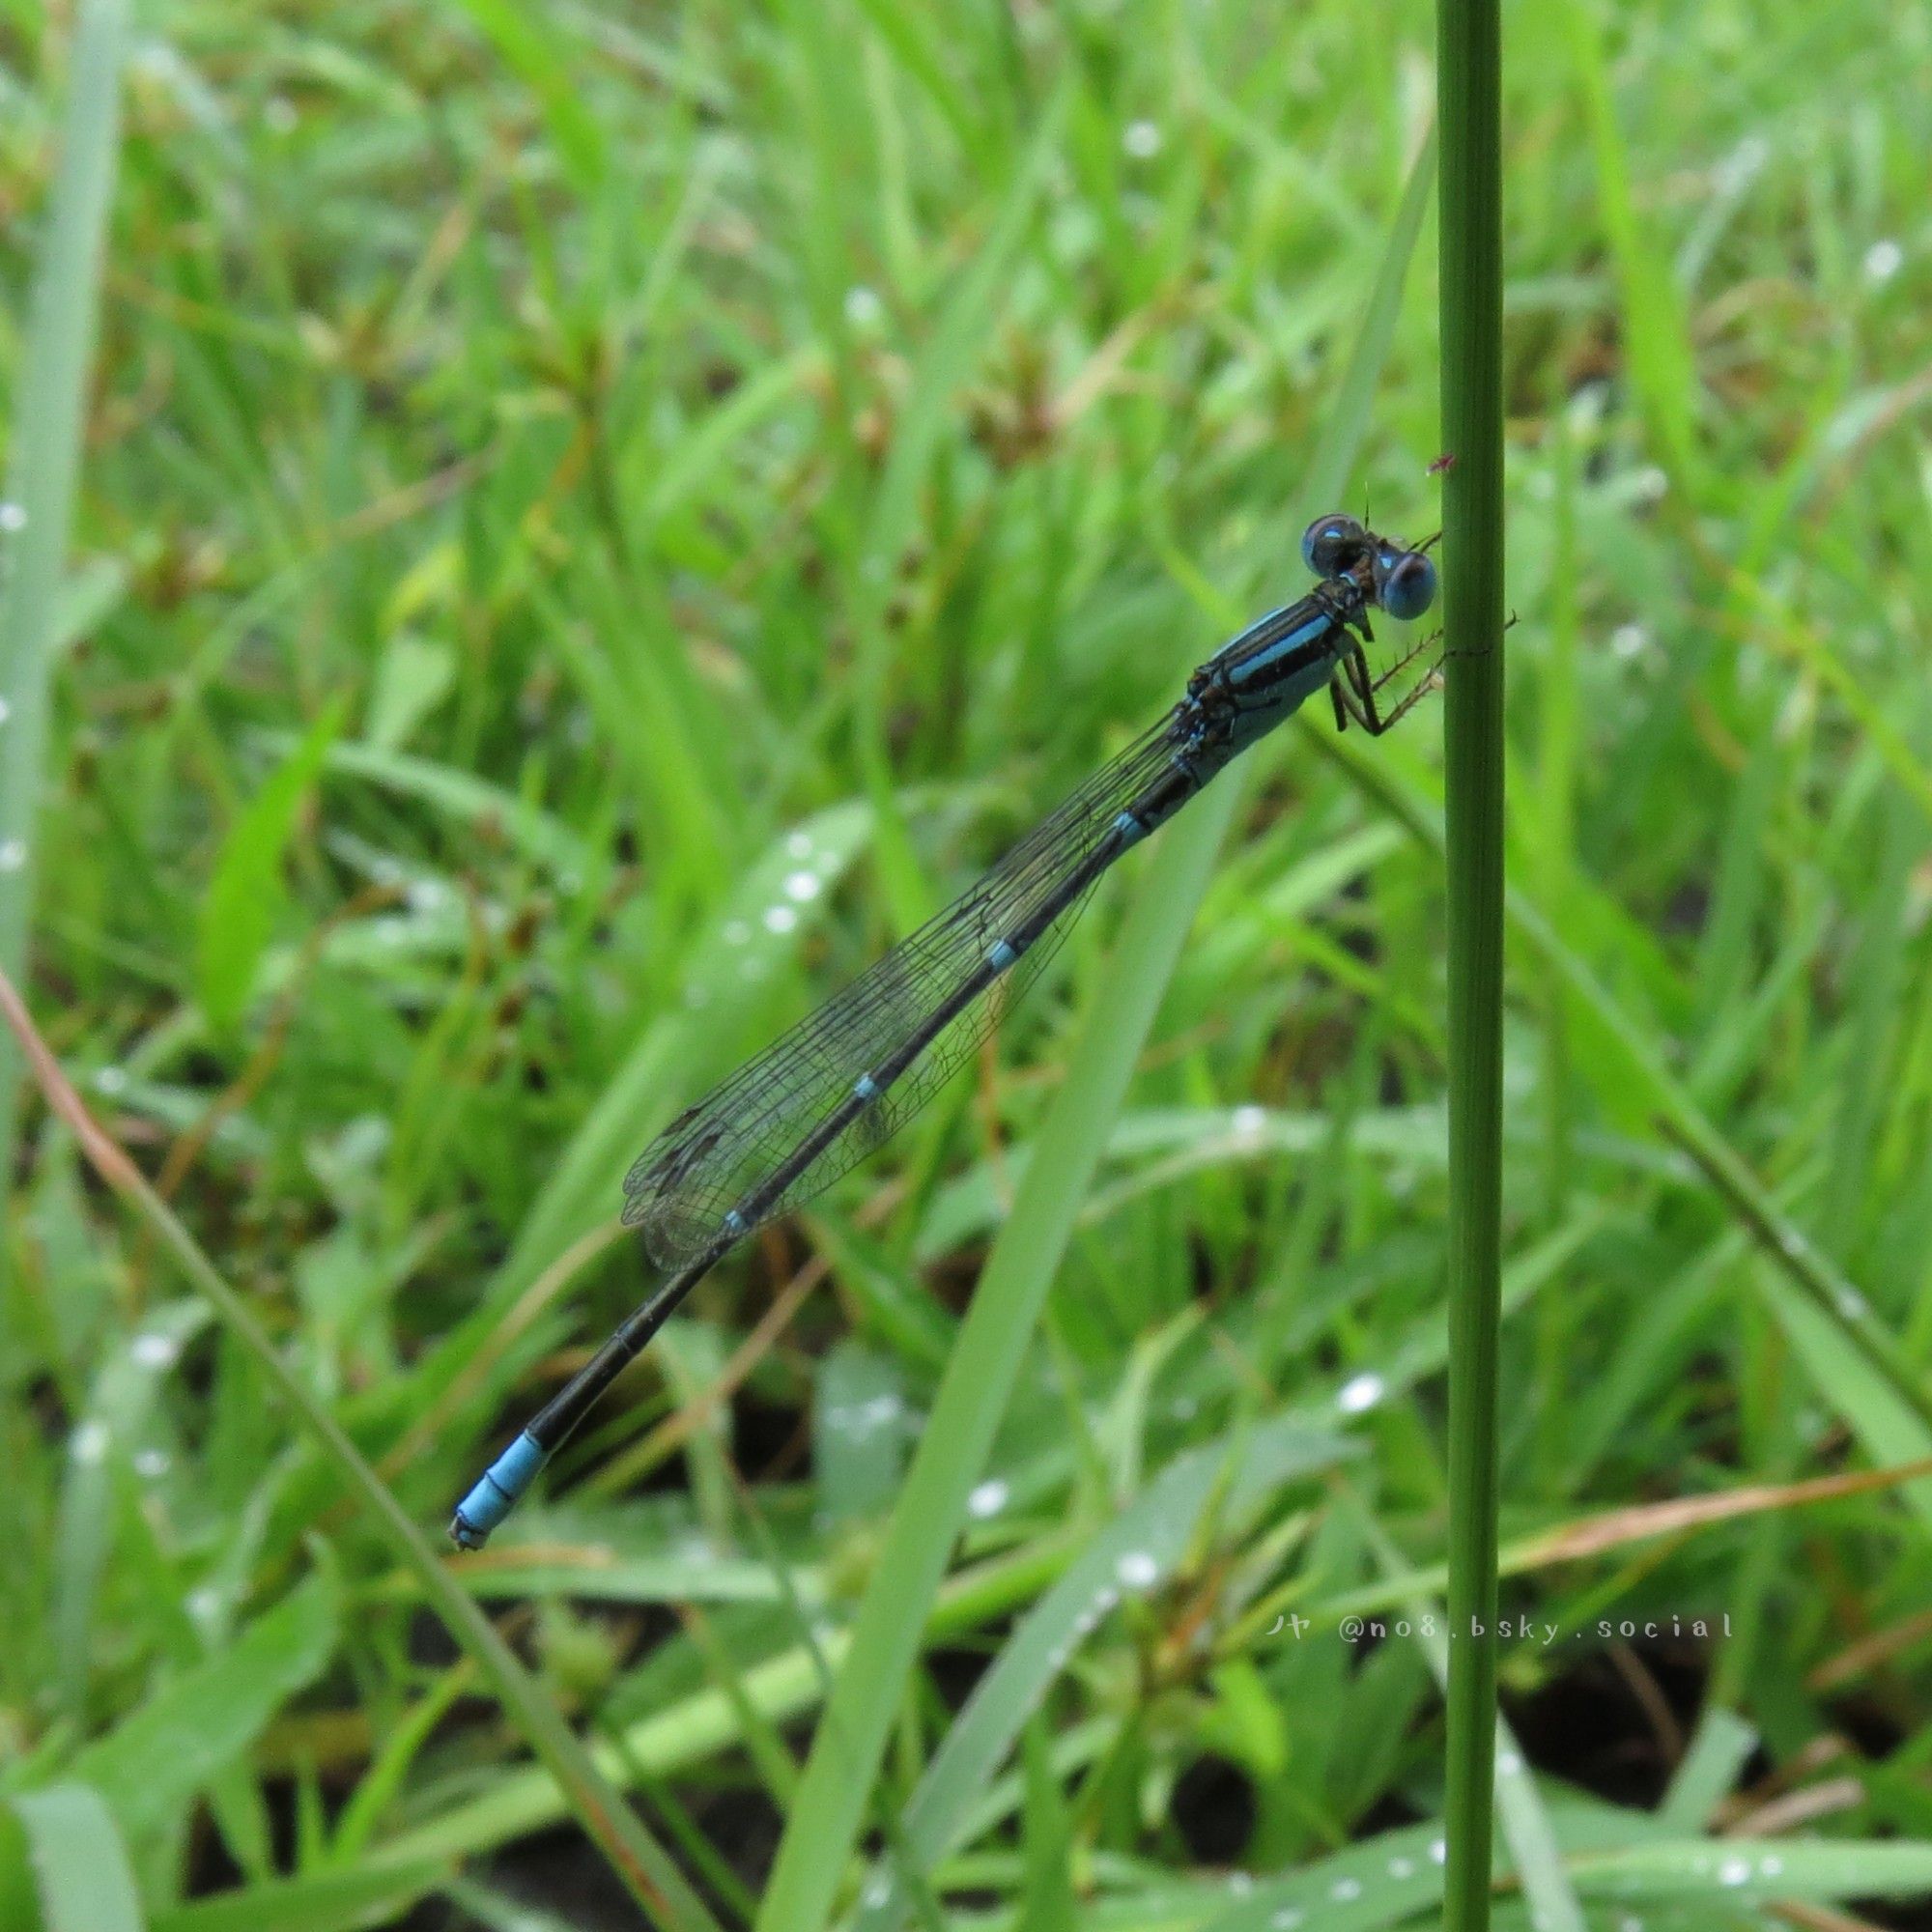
592	522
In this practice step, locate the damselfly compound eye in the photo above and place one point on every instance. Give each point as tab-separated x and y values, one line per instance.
1405	583
1331	544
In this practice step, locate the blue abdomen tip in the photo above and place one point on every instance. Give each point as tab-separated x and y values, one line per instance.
496	1492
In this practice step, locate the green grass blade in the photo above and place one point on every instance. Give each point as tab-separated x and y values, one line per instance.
169	1749
1135	1551
524	38
1650	1090
326	1902
43	477
635	1856
1660	361
246	893
81	1875
1469	94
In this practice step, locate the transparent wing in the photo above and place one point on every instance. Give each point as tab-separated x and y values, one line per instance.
715	1154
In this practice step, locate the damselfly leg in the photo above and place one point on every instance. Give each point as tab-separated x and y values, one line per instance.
1356	691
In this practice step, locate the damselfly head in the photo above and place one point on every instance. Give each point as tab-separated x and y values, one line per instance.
1332	546
1405	581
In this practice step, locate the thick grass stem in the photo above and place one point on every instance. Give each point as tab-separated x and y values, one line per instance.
1470	80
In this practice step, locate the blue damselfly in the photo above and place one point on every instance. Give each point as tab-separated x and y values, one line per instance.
817	1101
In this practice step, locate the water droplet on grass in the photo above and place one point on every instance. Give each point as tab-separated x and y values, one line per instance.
862	306
1359	1394
1882	260
989	1498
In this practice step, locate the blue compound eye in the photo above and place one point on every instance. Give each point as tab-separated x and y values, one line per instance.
1329	545
1405	583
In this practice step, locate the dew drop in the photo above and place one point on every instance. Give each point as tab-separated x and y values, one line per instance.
153	1350
1883	261
1345	1889
862	306
802	886
1734	1872
90	1443
989	1498
799	846
1248	1122
1359	1394
12	854
1141	139
780	919
151	1462
1137	1569
13	517
110	1079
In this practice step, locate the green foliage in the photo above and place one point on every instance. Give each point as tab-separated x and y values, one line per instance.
591	523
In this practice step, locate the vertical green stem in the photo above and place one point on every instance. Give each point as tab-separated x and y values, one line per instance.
1471	83
43	477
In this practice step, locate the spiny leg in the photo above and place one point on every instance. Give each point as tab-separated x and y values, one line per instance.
1407	658
1355	689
